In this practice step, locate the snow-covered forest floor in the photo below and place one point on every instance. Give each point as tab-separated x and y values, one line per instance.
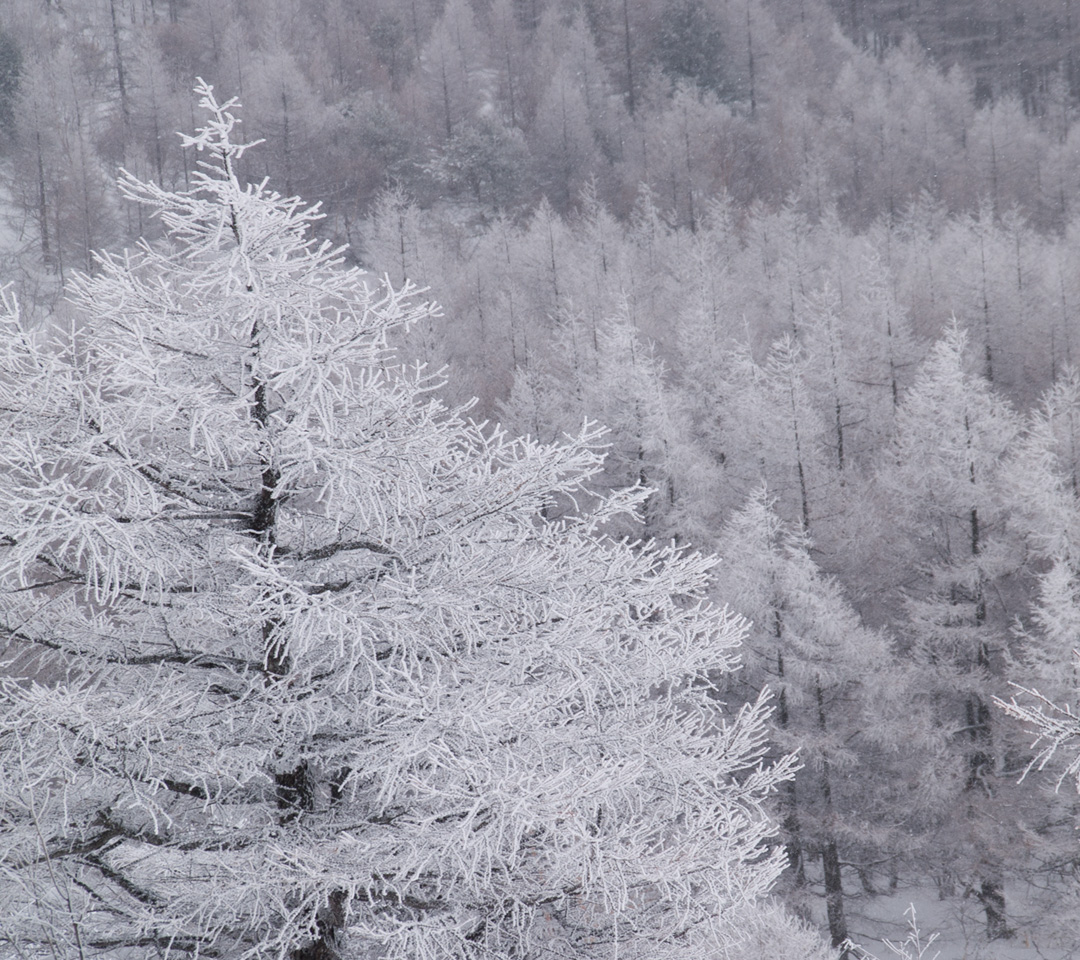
960	925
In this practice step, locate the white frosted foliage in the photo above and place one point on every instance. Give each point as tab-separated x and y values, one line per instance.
324	682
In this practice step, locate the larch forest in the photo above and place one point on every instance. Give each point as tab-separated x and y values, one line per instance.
539	479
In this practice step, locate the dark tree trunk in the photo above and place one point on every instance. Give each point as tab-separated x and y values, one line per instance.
43	207
834	893
978	725
992	897
328	925
631	103
121	78
750	62
830	856
295	787
792	828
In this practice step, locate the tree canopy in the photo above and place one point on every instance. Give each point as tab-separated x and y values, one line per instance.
315	676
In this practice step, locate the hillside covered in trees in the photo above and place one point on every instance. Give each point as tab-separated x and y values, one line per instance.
811	264
1020	47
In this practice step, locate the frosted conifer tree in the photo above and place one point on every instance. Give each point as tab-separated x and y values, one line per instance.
609	375
324	682
1041	475
949	486
844	702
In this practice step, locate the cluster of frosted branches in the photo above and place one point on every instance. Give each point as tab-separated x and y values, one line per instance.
912	947
1055	726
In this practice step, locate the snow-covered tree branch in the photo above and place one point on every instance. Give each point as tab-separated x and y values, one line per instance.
1055	725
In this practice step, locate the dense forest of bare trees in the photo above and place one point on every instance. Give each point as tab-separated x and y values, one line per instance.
812	264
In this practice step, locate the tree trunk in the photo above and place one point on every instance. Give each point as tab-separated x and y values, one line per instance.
792	827
750	62
992	897
121	79
630	101
830	856
834	893
43	207
981	755
988	353
295	787
804	497
329	924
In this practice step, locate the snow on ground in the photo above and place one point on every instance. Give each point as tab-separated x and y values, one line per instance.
960	923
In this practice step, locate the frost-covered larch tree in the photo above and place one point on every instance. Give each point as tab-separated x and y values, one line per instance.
951	490
607	373
315	677
844	702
